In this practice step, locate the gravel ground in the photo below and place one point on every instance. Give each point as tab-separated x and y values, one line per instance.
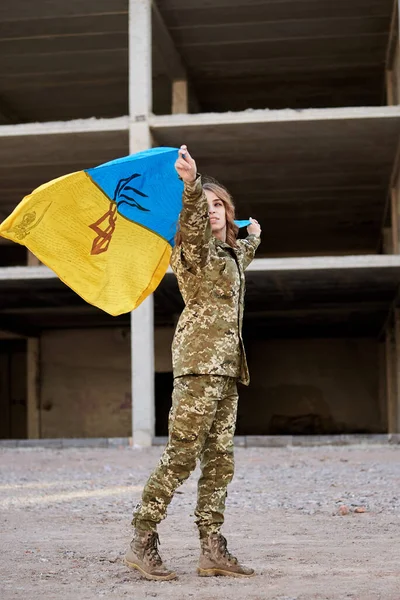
316	523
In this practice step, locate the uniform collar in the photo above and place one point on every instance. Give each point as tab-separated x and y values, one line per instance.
225	246
218	242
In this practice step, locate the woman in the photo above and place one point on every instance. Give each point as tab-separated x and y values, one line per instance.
208	360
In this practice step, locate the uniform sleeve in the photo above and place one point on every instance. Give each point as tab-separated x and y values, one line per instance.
194	225
249	246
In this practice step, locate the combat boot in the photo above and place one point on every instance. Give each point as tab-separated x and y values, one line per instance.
143	555
216	560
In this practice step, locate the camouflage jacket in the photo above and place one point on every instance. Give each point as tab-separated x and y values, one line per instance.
210	274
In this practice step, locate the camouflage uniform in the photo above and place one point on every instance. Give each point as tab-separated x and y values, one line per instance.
208	359
210	274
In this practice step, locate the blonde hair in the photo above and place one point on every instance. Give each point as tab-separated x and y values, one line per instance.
211	184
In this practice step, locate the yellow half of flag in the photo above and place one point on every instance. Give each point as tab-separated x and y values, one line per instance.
74	228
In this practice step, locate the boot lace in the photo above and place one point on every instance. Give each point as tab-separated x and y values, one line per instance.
152	549
223	548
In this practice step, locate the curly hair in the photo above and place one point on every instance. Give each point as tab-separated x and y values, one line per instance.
209	183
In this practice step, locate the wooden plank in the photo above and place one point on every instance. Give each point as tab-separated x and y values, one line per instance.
179	96
33	388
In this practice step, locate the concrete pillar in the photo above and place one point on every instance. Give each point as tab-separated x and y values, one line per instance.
387	240
383	394
33	388
142	355
142	321
31	259
393	373
394	407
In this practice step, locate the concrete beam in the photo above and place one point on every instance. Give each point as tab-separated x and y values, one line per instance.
274	116
13	325
64	127
26	273
173	64
393	58
320	263
169	61
324	263
321	165
316	263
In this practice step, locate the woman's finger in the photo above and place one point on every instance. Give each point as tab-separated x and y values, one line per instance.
181	164
185	155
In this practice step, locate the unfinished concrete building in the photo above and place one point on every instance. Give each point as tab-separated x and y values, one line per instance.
294	105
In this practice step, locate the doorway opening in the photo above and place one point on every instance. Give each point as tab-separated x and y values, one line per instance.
13	389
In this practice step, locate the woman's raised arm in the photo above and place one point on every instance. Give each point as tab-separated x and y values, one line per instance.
194	223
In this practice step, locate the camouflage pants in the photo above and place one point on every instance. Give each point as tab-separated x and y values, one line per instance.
202	423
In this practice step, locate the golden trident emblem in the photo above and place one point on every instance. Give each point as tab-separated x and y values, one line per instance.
122	195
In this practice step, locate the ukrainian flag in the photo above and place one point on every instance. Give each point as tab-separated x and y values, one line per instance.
107	232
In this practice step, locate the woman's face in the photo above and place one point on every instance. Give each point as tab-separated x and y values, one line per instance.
216	211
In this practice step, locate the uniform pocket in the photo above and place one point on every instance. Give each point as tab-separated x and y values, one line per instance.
224	278
222	291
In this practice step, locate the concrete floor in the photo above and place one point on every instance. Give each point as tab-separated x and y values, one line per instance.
66	524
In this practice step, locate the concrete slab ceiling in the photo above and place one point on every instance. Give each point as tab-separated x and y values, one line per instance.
67	60
317	180
285	53
342	296
63	60
309	297
35	153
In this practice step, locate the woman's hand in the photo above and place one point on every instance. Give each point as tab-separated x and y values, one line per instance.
254	228
185	165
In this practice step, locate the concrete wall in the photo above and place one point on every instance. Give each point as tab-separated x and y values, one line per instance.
301	386
312	386
85	383
162	349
